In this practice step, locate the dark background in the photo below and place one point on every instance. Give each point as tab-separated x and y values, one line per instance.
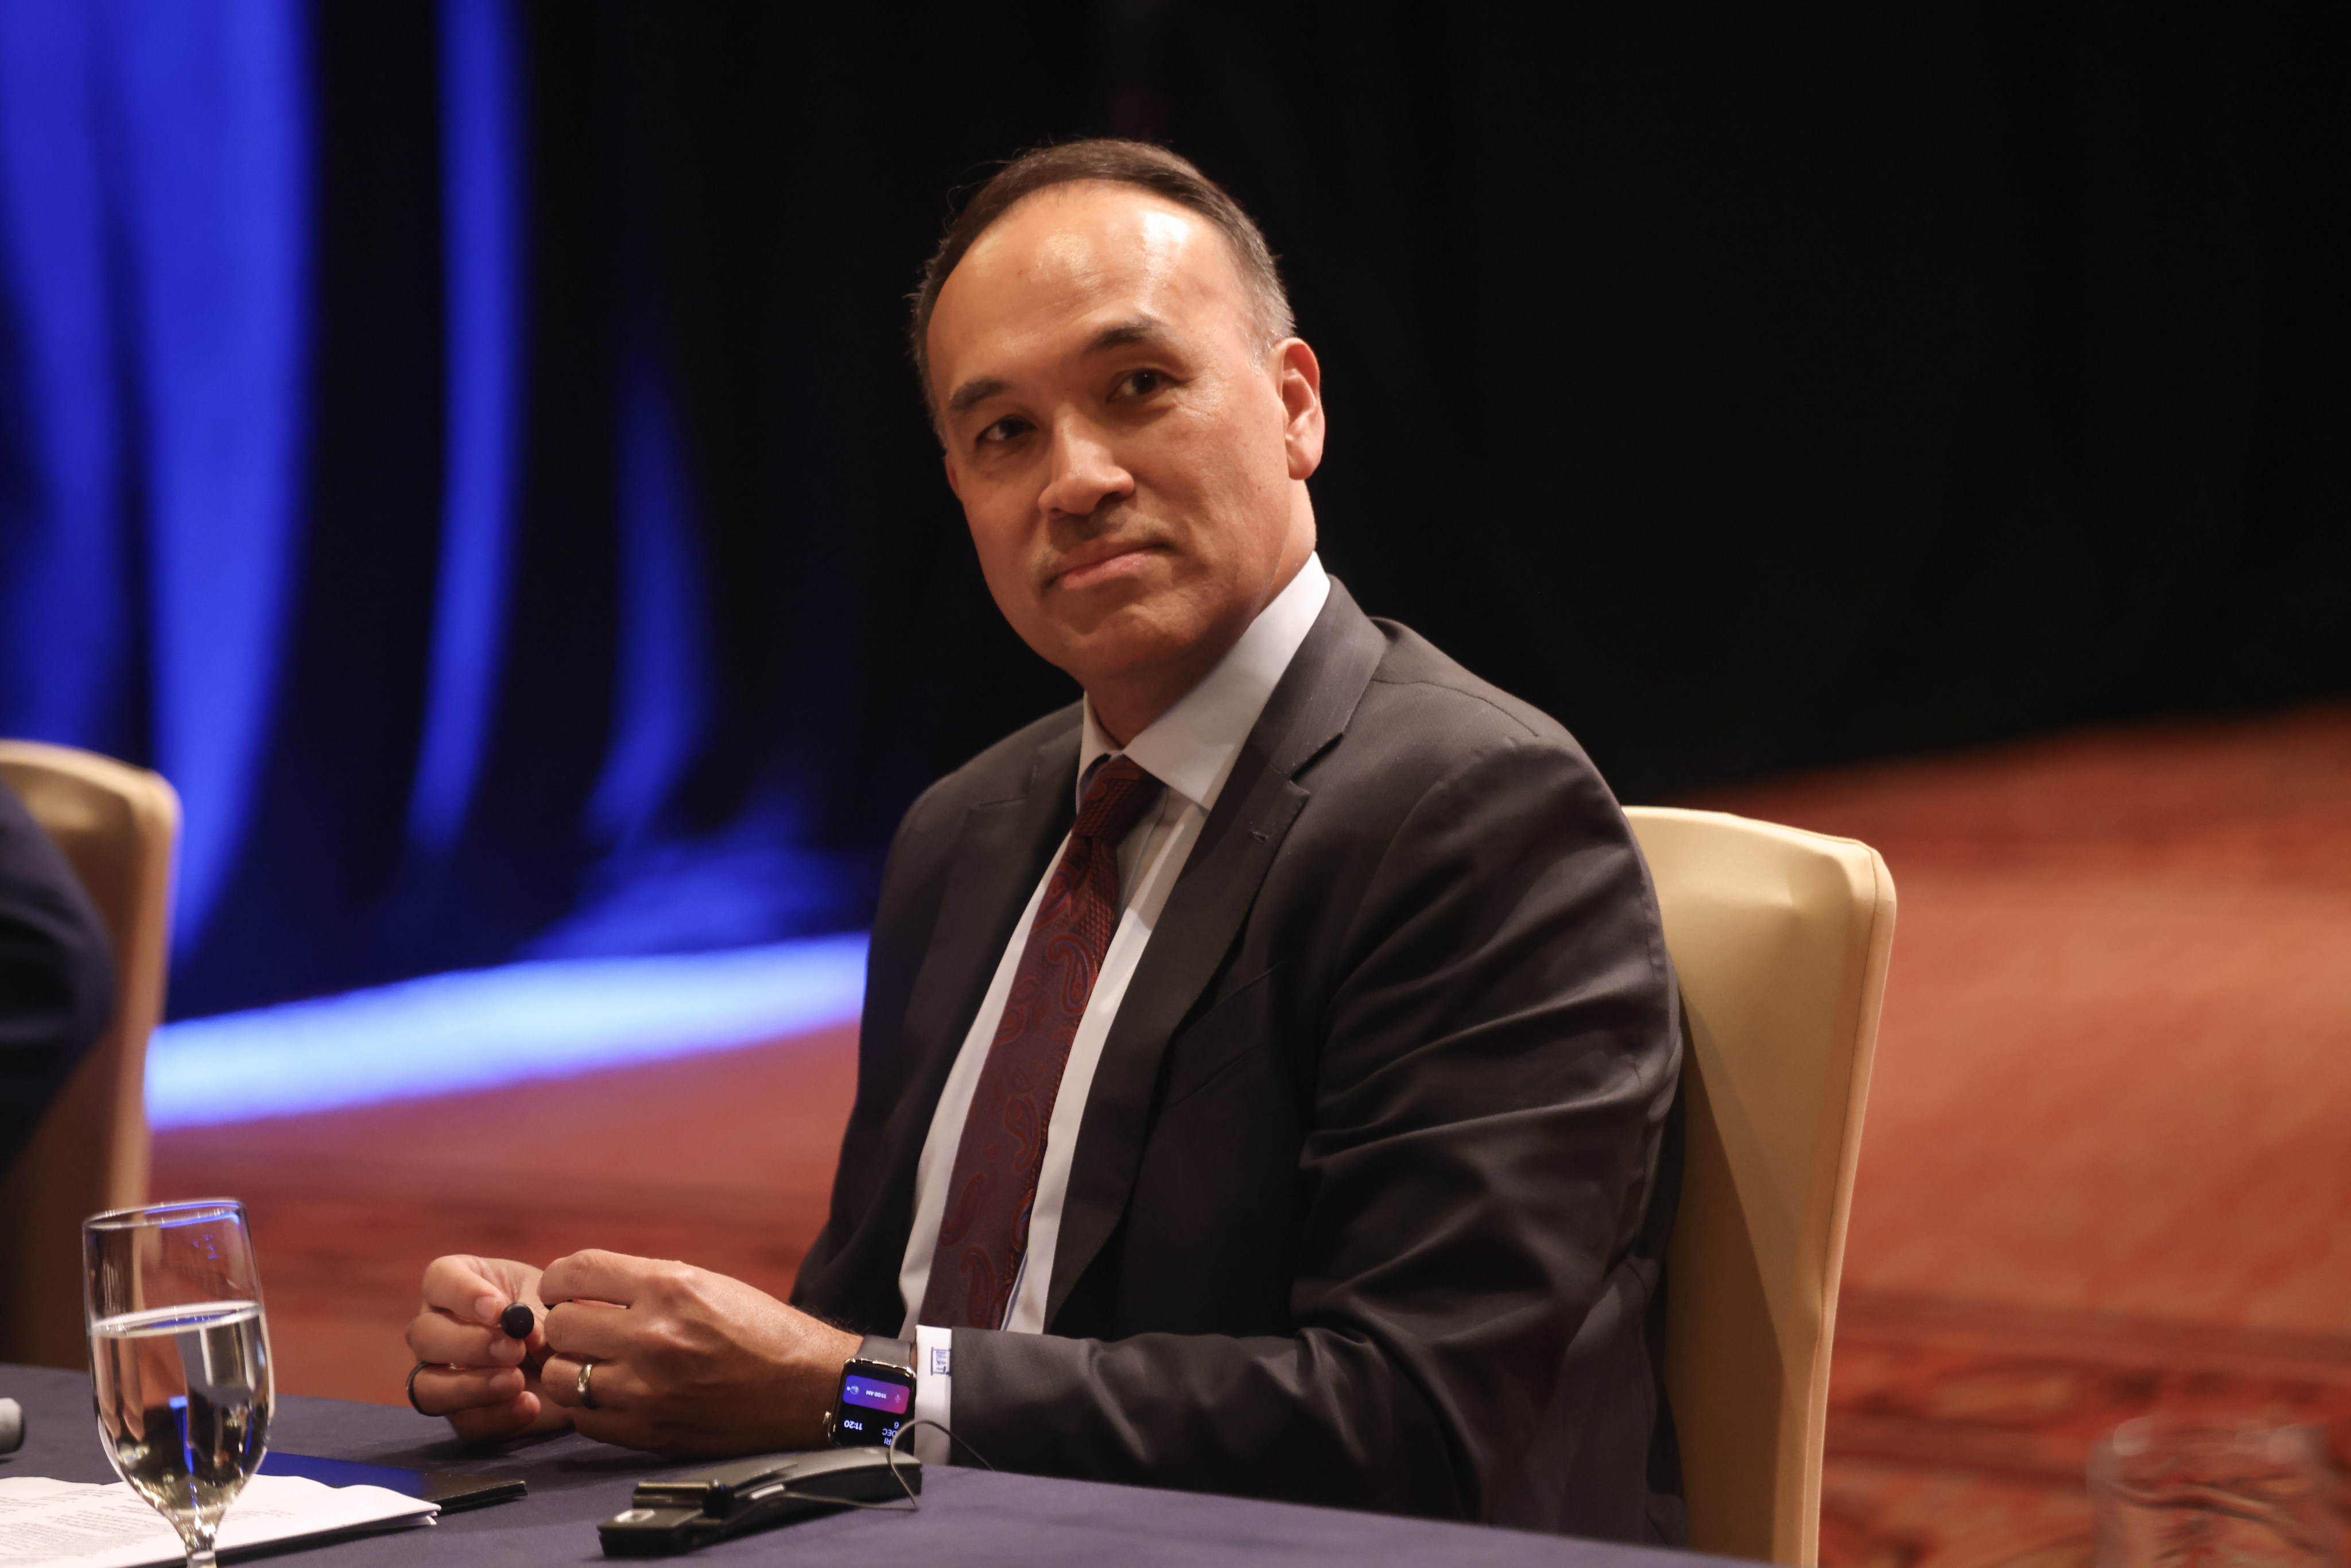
1755	388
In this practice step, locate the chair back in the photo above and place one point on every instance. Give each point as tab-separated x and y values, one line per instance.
117	826
1781	939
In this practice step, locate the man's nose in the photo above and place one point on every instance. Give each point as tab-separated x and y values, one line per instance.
1085	472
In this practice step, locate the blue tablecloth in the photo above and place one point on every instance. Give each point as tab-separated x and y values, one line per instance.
969	1516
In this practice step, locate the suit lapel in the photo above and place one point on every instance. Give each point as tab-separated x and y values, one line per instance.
999	855
1309	709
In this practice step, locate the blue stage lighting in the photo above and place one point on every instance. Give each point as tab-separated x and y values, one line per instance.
478	1028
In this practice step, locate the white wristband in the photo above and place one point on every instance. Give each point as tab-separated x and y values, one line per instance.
933	1392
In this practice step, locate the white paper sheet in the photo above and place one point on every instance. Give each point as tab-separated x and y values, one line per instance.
70	1524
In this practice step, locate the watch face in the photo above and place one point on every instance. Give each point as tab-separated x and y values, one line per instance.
874	1402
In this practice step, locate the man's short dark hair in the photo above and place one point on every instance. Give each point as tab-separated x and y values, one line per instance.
1140	163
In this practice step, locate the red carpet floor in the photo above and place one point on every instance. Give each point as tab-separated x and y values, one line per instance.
2107	1164
2107	1167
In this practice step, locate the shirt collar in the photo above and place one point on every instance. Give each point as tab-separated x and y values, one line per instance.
1191	746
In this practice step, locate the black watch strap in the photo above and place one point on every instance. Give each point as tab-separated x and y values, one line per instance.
898	1353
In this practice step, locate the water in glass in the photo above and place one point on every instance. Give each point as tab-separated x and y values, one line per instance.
179	1354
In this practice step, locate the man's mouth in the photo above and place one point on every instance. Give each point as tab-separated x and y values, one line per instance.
1100	561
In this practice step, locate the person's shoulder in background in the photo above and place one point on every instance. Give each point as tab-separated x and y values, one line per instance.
1006	771
56	975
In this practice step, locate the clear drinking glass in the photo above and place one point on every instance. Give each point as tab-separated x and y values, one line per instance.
2200	1495
179	1357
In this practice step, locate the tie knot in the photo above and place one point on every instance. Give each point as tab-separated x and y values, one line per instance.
1116	799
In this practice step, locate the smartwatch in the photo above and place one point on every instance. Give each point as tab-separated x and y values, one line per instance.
877	1394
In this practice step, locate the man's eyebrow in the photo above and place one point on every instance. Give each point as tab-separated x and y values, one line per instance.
971	393
1133	329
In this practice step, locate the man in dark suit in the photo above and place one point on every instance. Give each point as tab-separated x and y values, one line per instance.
56	975
1267	1063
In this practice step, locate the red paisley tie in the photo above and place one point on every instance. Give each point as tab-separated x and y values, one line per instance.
984	1230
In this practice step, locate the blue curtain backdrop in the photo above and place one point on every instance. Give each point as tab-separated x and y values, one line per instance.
468	445
157	192
322	494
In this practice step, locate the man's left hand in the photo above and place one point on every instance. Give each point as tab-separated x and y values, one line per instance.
687	1362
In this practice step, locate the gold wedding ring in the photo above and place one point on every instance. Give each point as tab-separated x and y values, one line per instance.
587	1394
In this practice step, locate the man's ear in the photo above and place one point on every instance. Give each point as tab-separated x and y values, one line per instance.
1299	379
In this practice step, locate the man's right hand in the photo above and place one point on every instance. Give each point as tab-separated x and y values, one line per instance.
484	1383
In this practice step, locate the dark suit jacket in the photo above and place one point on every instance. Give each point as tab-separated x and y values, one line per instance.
56	975
1364	1209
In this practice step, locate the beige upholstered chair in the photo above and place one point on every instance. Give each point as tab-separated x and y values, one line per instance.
1780	938
117	825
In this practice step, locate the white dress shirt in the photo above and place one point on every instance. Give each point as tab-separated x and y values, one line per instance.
1190	749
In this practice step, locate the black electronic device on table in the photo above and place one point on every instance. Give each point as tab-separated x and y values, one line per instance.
454	1490
678	1515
